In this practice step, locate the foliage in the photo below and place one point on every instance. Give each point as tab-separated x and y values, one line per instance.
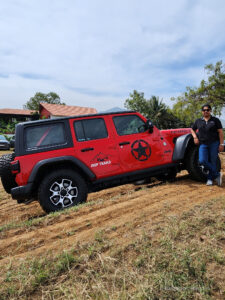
7	127
211	91
154	109
33	103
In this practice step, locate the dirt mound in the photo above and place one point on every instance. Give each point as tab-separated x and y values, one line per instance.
25	230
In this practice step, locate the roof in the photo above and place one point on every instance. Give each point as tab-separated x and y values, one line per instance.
78	117
65	110
12	111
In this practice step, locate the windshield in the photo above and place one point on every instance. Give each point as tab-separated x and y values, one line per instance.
2	137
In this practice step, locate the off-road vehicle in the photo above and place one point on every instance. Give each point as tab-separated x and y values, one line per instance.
58	161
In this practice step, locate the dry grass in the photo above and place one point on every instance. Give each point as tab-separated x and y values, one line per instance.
183	258
2	152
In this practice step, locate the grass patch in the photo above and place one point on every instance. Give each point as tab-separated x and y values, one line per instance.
184	260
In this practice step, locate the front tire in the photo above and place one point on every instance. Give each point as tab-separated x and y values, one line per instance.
195	170
62	189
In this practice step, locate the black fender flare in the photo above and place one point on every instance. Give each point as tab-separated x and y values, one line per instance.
181	146
50	161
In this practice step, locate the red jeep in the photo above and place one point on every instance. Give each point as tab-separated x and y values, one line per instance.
59	161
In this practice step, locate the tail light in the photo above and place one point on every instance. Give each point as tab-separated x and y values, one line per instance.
15	166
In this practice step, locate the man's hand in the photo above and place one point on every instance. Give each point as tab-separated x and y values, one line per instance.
221	148
196	141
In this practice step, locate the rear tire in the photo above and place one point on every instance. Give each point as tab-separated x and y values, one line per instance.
62	189
195	170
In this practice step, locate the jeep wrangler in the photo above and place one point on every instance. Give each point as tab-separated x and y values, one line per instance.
58	161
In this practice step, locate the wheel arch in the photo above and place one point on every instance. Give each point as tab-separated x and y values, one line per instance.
48	165
182	144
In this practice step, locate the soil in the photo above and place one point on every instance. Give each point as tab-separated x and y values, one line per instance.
120	212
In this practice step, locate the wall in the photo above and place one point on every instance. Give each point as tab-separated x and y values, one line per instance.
44	113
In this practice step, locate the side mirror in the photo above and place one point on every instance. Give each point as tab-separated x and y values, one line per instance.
149	126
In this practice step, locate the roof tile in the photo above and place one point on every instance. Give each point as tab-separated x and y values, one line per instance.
66	110
13	111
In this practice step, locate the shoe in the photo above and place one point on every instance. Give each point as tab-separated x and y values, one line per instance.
209	182
219	179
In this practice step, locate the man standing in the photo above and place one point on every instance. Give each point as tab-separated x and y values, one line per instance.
208	134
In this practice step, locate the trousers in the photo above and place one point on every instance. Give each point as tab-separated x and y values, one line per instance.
208	158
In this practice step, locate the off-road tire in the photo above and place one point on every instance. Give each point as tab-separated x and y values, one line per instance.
193	167
58	187
8	179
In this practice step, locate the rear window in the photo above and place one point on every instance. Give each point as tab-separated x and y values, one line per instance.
2	137
90	129
44	136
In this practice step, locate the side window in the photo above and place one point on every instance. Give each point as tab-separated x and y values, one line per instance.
79	130
44	136
128	124
90	129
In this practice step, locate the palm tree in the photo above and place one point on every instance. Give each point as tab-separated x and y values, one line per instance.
154	109
157	110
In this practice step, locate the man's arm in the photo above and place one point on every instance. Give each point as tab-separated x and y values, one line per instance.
221	136
196	141
193	132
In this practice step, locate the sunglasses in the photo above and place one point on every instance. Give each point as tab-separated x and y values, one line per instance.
206	109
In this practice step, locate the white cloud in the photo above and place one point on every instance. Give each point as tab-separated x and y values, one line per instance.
94	53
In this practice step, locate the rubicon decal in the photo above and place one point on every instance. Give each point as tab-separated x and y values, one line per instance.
141	150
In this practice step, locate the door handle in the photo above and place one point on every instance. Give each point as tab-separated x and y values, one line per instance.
86	149
124	143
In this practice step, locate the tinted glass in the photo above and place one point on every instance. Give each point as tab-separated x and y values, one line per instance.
79	130
44	135
90	129
129	124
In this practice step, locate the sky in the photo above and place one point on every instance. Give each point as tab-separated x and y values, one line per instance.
95	52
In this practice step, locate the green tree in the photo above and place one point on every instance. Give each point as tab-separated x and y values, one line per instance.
186	108
137	102
157	110
211	91
7	126
33	103
154	109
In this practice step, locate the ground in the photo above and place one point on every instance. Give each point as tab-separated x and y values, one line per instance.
122	214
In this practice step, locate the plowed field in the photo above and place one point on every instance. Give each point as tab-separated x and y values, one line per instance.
26	231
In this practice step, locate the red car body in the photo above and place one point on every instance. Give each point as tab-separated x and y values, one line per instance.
113	155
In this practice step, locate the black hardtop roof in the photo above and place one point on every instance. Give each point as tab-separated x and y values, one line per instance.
76	117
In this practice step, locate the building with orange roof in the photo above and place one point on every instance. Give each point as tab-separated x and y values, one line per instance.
11	114
46	110
51	111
